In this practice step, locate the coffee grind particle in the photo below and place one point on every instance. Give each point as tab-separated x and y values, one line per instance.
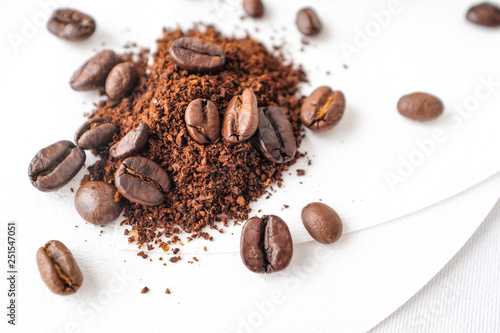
211	183
144	290
175	259
142	254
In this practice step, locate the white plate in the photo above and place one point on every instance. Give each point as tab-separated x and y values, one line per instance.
425	46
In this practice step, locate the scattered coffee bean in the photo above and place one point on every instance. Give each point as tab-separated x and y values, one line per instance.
322	222
308	22
486	14
54	166
142	181
132	143
71	25
253	8
275	137
241	118
95	133
58	268
98	203
202	121
420	106
323	109
197	55
121	80
266	244
94	72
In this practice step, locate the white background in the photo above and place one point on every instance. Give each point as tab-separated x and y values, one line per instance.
350	286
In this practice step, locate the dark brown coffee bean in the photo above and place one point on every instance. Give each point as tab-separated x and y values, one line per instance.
486	14
266	244
58	268
275	137
197	55
241	118
142	181
71	25
202	121
121	80
54	166
94	72
95	133
420	106
132	143
323	109
253	8
322	222
98	203
308	22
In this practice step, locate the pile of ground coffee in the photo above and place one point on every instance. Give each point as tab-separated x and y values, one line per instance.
211	183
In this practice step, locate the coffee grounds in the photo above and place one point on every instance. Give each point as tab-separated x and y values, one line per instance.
212	183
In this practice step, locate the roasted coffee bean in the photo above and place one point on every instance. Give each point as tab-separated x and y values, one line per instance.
54	166
241	118
98	203
266	244
197	55
132	143
95	133
486	14
142	181
253	8
420	106
71	25
94	72
202	121
322	222
308	22
121	80
58	268
275	137
323	109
